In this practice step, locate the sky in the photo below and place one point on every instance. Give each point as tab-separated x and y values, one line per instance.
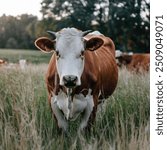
18	7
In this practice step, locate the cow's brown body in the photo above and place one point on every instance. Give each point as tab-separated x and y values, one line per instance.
135	62
100	74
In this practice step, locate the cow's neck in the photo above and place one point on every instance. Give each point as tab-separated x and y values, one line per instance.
72	92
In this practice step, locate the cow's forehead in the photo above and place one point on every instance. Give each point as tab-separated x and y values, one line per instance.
69	38
70	31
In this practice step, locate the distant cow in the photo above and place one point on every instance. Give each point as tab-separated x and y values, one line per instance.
134	62
2	62
82	70
22	63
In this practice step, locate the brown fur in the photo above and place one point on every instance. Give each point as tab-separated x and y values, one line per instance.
2	62
135	62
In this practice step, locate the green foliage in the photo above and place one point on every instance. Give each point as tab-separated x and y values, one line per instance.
125	21
15	31
131	22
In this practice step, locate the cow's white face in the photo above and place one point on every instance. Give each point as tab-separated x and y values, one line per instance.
69	47
70	59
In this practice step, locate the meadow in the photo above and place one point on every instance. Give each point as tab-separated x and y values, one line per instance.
32	56
26	122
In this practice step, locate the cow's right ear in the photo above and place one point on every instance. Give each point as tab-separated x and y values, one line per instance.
44	44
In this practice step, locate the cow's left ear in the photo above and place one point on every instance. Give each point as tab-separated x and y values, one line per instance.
94	43
44	44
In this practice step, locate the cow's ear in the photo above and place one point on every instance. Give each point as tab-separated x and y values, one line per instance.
44	44
93	43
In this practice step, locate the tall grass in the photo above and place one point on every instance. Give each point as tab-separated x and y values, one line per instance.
26	121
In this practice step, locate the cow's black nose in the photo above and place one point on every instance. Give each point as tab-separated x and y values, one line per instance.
70	80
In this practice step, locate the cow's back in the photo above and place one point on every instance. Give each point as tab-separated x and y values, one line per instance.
140	62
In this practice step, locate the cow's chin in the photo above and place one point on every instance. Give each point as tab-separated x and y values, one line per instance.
70	85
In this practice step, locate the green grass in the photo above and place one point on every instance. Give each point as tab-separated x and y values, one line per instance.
32	56
122	122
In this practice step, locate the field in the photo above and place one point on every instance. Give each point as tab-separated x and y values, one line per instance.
26	121
32	56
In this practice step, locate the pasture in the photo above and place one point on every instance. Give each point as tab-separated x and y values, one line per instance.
32	56
26	122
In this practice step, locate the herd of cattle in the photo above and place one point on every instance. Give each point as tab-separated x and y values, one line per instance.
82	72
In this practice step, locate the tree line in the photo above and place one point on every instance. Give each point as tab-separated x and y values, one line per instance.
127	22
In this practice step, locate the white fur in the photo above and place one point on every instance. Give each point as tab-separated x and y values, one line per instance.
62	123
95	33
118	53
130	53
80	104
87	112
70	44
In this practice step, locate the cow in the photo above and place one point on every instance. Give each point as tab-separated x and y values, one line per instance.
82	71
137	62
3	62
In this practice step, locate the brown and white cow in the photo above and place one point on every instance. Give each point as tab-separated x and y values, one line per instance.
2	62
82	70
134	62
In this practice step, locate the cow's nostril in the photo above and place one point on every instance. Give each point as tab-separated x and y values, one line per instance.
70	80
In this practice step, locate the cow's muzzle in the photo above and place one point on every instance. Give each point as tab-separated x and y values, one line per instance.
70	81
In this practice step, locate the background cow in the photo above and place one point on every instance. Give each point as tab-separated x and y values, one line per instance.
133	62
3	62
82	70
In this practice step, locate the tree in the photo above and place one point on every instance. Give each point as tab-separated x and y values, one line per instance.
15	31
132	27
70	13
11	43
125	21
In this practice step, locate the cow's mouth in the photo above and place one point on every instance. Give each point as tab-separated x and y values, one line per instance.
70	84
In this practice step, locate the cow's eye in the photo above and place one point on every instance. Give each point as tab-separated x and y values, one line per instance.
57	54
82	54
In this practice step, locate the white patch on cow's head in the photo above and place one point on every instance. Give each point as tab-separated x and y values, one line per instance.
69	48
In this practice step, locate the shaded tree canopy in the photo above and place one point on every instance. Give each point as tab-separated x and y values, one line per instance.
125	21
16	32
